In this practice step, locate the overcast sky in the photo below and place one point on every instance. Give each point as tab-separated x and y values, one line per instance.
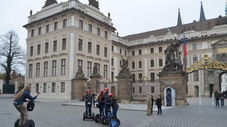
128	16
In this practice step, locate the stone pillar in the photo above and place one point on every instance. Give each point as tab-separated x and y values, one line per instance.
124	90
206	85
79	88
176	81
94	85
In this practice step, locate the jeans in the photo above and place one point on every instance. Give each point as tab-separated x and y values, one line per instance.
115	112
23	113
217	102
222	102
159	109
88	109
101	110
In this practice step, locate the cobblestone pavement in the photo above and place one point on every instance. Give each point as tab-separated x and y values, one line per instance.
51	113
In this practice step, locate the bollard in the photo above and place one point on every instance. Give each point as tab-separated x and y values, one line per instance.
213	99
200	101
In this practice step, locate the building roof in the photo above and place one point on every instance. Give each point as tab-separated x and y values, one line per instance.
196	26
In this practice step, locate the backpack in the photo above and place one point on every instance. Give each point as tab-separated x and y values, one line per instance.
30	105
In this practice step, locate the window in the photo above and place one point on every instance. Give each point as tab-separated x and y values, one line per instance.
105	71
112	62
47	28
120	51
133	89
45	68
55	46
38	49
97	49
40	30
62	87
37	69
98	31
89	47
105	51
98	68
160	63
80	63
32	33
152	89
112	76
46	47
194	46
133	53
53	88
196	75
89	68
152	63
63	65
31	51
37	87
152	50
80	45
140	52
64	23
140	76
160	49
106	34
44	87
140	90
133	77
30	70
140	64
80	24
195	59
133	65
54	67
152	77
120	63
55	25
112	48
90	28
125	53
64	44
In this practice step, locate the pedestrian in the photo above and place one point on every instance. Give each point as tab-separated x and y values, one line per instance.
216	95
222	97
168	98
148	100
88	103
19	99
159	104
152	102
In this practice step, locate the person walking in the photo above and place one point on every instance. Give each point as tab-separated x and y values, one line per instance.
19	99
159	104
216	95
222	97
148	100
152	102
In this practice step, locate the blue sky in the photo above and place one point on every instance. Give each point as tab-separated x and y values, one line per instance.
128	16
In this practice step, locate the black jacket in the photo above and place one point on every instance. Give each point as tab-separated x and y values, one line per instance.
88	98
159	102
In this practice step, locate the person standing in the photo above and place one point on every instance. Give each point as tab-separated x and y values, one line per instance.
88	102
216	95
159	104
19	99
168	98
148	100
152	102
222	97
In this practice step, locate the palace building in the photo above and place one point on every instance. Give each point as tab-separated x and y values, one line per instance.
63	36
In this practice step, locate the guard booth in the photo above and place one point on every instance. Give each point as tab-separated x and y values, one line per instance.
169	96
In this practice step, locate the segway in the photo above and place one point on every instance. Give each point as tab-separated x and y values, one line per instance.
29	122
85	116
110	120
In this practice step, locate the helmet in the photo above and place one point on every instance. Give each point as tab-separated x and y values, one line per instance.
106	89
88	90
110	94
101	91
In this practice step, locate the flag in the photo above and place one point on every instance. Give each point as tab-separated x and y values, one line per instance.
185	46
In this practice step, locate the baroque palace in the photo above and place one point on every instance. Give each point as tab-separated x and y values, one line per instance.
65	36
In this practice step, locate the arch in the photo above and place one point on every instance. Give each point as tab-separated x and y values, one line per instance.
206	63
196	91
172	96
219	77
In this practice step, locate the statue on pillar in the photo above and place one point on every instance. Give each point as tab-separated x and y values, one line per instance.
124	69
79	72
94	3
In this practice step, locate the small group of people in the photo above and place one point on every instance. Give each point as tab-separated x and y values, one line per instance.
150	101
219	96
105	101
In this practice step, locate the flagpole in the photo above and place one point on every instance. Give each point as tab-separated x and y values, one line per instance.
185	63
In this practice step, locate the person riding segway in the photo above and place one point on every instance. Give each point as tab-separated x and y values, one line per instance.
100	105
88	104
19	99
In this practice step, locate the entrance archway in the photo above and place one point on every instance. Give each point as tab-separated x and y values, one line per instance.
196	91
169	96
222	86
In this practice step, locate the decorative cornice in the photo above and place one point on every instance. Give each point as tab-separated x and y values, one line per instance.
63	54
80	54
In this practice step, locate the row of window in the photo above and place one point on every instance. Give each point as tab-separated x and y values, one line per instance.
65	24
141	89
80	47
63	68
53	87
151	63
151	51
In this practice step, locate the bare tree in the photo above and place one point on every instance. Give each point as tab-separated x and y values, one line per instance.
12	54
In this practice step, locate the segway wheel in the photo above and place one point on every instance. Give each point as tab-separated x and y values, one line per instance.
113	123
93	116
118	121
29	123
84	116
103	120
97	117
16	124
